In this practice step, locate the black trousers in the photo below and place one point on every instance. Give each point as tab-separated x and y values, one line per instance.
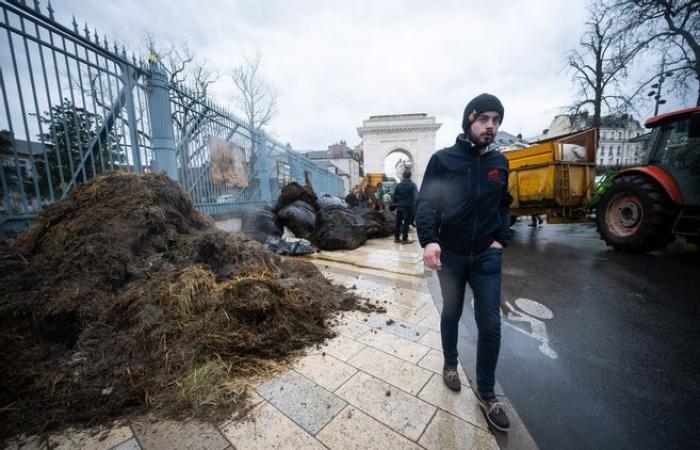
404	217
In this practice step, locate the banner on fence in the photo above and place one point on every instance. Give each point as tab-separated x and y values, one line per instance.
228	164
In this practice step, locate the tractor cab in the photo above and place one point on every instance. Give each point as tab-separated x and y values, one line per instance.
676	149
646	207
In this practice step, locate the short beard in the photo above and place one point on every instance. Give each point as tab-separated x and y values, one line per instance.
475	140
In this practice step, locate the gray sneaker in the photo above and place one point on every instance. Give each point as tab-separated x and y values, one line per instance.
451	379
494	412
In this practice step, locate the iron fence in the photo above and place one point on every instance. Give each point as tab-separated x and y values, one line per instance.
75	105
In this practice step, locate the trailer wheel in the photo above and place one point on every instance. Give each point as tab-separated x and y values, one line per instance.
635	215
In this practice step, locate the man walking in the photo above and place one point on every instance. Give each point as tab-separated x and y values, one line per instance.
463	220
404	198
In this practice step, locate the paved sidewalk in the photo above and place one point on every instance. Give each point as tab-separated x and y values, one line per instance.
378	384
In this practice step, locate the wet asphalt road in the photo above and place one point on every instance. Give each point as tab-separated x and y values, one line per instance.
625	330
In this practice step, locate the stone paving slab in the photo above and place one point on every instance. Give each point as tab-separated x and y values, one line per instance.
171	435
268	428
431	321
447	432
434	362
303	401
354	430
342	347
462	404
131	444
402	412
325	370
394	345
409	314
381	292
432	339
391	369
389	323
95	439
352	328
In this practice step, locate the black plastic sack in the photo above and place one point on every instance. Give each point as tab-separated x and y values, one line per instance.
261	224
286	248
328	200
293	192
339	228
378	224
300	218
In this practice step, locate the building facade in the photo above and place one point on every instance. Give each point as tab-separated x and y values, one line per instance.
621	140
618	145
340	160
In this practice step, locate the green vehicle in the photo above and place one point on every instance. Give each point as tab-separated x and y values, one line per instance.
647	207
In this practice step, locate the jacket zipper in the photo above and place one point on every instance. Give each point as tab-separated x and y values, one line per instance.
476	201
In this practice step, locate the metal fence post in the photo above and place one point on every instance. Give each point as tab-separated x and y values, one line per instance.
128	78
161	119
263	167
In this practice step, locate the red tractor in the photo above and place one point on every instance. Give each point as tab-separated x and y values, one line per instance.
646	207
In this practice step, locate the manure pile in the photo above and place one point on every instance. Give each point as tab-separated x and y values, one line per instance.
123	299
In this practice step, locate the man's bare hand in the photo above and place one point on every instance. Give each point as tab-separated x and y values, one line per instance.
431	256
495	244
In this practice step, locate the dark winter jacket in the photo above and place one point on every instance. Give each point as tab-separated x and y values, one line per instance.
463	203
405	194
351	200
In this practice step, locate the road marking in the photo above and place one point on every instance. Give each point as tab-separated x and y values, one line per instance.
532	313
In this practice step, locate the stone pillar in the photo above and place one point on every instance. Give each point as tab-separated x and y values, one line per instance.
160	116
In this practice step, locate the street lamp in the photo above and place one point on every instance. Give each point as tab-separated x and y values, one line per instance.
657	93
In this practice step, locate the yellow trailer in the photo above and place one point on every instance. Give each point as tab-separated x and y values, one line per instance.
555	177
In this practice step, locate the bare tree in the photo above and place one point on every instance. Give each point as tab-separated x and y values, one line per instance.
674	25
184	70
253	95
256	99
600	64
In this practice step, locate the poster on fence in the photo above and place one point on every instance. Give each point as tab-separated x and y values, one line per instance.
228	165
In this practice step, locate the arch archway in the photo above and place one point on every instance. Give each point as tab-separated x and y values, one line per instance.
396	161
411	135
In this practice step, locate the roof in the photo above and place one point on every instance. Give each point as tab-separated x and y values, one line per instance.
387	116
661	118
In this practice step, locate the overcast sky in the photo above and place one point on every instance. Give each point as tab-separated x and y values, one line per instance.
335	63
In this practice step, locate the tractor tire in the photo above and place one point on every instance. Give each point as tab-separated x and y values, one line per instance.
635	215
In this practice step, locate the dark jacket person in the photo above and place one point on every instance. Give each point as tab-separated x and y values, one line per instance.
404	198
463	220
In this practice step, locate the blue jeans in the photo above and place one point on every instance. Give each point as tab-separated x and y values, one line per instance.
483	273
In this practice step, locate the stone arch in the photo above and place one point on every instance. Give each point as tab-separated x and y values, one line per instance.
412	134
392	167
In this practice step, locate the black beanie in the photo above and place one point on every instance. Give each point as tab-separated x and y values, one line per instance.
479	104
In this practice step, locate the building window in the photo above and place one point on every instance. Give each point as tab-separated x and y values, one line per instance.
283	173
